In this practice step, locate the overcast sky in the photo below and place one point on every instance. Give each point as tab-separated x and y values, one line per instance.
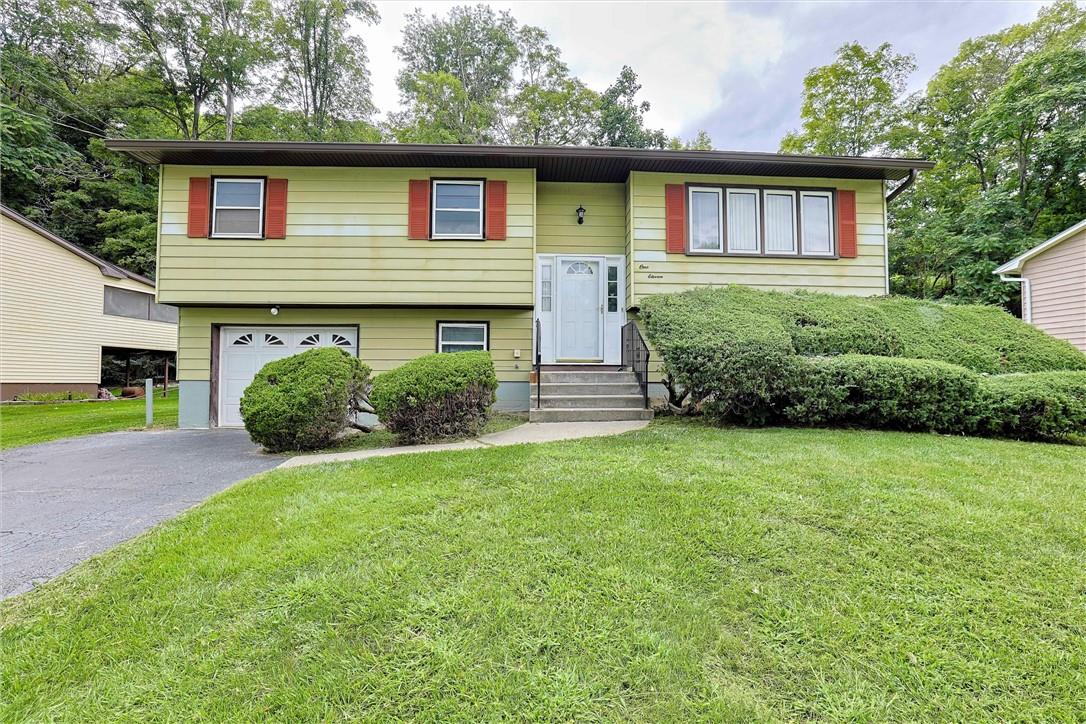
733	68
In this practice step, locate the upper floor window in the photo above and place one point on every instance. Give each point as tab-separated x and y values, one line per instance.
458	210
760	221
462	336
237	208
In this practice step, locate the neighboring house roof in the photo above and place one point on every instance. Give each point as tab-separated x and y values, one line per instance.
1014	266
108	269
552	163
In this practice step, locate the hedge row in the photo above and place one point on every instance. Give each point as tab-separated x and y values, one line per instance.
436	396
980	338
792	358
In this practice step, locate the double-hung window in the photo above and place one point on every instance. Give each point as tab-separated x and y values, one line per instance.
462	336
457	209
817	217
237	208
706	220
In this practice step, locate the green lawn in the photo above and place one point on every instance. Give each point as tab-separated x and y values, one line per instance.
674	574
28	424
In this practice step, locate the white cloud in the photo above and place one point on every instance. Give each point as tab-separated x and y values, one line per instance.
680	50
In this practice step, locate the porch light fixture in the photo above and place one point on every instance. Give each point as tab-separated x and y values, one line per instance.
580	214
274	311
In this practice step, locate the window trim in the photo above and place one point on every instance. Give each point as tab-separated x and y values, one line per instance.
795	196
762	254
832	253
719	192
481	183
442	323
262	180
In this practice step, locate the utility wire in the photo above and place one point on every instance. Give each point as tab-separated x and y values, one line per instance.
42	84
52	120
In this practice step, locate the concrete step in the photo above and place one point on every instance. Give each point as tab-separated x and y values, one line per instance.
591	401
587	377
598	414
589	388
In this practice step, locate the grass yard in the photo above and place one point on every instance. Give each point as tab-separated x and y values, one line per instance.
29	424
677	573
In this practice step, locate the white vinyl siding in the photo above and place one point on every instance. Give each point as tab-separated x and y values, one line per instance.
458	210
237	210
706	221
744	235
780	222
817	222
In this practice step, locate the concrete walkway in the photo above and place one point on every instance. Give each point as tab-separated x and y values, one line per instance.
531	432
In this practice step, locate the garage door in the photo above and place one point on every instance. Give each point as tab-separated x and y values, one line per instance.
244	350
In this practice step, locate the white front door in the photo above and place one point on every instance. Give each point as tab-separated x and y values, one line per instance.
580	310
244	350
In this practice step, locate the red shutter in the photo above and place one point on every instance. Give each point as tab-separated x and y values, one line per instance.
199	207
846	224
675	218
275	209
495	209
418	209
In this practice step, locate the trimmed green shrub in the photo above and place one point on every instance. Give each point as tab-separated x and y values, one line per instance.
884	392
1039	406
732	365
981	338
303	402
436	396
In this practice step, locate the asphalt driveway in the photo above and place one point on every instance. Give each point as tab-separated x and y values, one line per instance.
62	502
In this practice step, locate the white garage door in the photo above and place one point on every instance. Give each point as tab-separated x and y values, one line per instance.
244	350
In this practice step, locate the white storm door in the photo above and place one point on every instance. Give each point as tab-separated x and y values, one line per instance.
580	310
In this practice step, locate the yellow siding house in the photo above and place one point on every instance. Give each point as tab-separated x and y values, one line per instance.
60	306
540	255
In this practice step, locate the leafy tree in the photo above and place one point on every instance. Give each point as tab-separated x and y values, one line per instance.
323	64
465	60
850	105
621	117
241	47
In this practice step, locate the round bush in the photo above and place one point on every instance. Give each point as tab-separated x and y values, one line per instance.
303	402
436	396
1038	406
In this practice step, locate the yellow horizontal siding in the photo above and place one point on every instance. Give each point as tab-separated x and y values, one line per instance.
864	275
604	227
52	328
346	244
387	337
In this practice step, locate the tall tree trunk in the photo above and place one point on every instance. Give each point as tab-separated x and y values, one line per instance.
229	110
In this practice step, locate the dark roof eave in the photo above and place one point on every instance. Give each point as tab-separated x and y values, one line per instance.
553	163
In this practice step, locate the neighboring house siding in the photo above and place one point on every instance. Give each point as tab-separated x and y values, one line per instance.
1057	283
863	275
604	227
52	327
387	337
346	244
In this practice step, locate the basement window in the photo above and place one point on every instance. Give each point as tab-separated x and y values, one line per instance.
462	336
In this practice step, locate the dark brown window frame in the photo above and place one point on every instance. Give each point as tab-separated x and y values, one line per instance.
434	180
761	254
263	208
437	331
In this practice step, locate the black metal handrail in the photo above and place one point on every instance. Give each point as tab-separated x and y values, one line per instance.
635	357
538	366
